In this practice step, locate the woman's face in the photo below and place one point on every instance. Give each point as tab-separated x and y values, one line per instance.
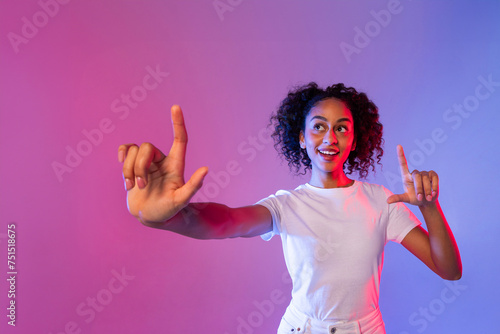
328	136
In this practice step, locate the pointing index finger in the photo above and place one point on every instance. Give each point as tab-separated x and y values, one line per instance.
403	165
177	152
180	134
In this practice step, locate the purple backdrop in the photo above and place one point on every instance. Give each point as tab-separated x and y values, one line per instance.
79	78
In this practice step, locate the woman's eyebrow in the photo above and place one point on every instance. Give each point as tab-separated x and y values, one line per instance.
319	117
345	119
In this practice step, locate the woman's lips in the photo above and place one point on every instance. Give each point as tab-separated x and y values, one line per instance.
328	154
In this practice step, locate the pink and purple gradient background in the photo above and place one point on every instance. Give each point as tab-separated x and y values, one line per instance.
229	73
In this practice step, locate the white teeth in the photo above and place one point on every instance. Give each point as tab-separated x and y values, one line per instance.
328	152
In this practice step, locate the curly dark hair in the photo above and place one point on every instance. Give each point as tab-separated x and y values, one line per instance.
289	121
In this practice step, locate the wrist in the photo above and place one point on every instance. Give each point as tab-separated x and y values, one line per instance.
429	207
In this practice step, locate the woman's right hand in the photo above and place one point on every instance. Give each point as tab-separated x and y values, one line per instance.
155	185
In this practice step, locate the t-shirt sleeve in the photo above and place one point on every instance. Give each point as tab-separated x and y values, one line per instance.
273	205
401	221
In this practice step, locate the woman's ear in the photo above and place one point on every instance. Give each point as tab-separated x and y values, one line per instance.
353	147
302	140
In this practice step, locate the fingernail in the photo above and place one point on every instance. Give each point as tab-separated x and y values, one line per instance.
141	183
121	156
128	184
434	193
429	198
420	197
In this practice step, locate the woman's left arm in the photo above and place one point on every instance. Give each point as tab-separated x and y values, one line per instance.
436	248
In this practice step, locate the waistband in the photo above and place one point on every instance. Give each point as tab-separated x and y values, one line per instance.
295	322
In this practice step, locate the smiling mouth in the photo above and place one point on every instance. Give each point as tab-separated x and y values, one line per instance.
328	153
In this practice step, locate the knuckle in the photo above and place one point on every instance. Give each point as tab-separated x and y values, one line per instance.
146	147
127	146
130	154
133	148
181	139
144	151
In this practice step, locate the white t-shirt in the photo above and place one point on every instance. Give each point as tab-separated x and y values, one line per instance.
333	242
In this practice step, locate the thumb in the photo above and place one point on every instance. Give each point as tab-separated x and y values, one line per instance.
397	198
193	184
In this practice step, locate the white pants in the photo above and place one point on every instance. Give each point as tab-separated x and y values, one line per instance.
294	322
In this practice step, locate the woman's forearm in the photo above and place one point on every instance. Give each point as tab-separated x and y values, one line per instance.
444	249
199	221
218	221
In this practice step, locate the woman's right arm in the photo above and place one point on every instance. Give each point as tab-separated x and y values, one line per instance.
218	221
158	196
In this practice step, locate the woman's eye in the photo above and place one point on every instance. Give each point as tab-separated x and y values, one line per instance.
342	129
318	127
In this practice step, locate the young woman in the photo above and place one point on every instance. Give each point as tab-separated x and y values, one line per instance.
333	228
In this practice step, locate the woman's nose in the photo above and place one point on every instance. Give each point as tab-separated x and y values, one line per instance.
329	138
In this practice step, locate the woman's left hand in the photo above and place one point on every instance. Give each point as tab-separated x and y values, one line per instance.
421	187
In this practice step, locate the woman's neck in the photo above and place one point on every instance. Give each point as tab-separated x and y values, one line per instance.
330	180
